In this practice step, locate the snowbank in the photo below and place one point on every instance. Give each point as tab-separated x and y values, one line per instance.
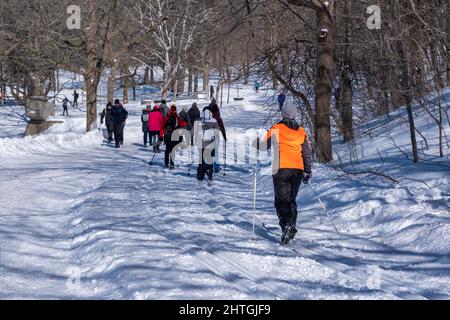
70	134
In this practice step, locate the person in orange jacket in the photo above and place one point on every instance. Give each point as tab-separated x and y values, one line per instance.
294	167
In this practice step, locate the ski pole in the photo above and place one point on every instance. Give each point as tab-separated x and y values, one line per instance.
225	161
254	202
190	160
324	208
154	156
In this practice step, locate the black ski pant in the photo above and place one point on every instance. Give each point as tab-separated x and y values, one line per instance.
110	129
147	137
205	169
169	159
287	183
118	133
65	111
154	138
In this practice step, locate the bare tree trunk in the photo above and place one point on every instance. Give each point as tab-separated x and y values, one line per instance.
347	108
152	75
439	83
274	78
190	81
246	69
175	90
181	81
147	75
206	75
112	81
133	83
407	91
91	103
94	68
196	82
347	91
323	88
126	89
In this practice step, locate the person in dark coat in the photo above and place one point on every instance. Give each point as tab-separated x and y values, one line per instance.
281	100
210	140
119	117
293	168
144	120
212	91
194	116
170	125
66	107
76	96
106	118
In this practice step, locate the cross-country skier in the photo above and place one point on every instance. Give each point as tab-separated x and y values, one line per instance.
257	87
119	116
211	91
212	126
156	128
145	120
281	97
295	167
66	106
106	118
76	96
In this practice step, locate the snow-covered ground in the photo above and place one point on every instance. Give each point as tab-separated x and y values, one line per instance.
79	219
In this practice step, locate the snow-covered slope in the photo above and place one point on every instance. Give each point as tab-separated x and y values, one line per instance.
83	220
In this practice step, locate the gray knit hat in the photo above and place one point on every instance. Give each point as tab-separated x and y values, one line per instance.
289	110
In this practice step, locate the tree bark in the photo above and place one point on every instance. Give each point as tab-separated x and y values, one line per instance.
190	82
347	90
206	75
133	83
112	81
126	88
323	87
152	75
407	91
147	75
181	81
196	82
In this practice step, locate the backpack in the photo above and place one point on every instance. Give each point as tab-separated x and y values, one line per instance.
183	123
194	114
172	123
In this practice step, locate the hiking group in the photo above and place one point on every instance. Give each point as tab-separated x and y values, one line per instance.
115	116
187	128
204	129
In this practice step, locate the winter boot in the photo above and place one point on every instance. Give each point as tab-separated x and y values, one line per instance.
288	235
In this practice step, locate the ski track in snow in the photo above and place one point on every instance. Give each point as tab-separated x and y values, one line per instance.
127	230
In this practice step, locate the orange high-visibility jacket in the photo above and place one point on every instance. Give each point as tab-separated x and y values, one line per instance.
290	144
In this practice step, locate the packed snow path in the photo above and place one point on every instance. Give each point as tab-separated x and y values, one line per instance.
94	222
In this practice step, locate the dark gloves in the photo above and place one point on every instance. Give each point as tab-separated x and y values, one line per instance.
306	177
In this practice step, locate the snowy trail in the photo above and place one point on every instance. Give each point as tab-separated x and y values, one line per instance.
131	231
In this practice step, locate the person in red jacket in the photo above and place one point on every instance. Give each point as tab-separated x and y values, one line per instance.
156	127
